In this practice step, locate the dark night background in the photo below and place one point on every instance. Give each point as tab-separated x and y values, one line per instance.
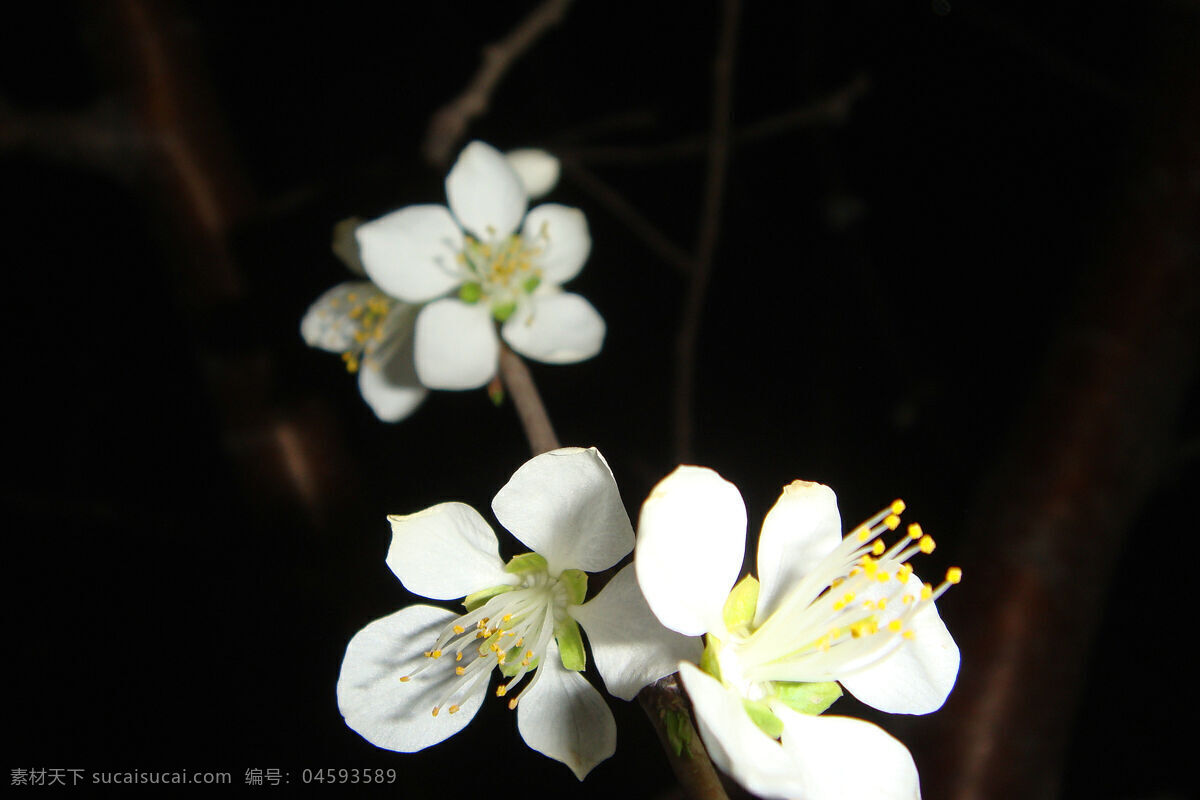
197	501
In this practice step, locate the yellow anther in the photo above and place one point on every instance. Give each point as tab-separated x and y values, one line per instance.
405	678
908	598
892	522
953	575
512	703
436	709
502	690
459	629
898	506
909	635
877	548
483	622
428	654
926	592
869	566
458	656
904	572
436	654
506	618
915	532
927	544
453	709
882	604
863	534
460	670
883	577
529	654
895	625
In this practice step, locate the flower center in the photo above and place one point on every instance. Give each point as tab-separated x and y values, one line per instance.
855	608
365	320
501	271
508	628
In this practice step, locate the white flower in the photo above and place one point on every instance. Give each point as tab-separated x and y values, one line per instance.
827	609
373	332
474	268
414	678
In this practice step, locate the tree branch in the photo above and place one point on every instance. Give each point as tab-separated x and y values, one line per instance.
449	124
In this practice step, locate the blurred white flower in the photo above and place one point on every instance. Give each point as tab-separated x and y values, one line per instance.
414	678
827	609
474	269
373	332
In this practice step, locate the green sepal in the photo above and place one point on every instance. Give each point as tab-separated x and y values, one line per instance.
496	394
738	613
575	581
808	698
503	311
570	645
512	663
525	563
531	283
760	714
476	599
470	292
708	659
679	732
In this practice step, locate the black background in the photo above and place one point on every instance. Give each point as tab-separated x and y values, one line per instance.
883	296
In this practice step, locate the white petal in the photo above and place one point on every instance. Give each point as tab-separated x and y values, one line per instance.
802	528
557	328
387	377
485	193
327	324
565	505
537	169
630	646
690	542
736	744
918	676
456	345
561	233
839	757
445	552
413	253
394	714
565	718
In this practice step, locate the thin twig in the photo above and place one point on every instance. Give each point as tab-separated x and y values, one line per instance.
530	409
622	209
710	223
449	124
833	109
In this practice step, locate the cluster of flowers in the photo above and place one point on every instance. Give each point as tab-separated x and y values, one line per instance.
441	280
826	613
761	659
